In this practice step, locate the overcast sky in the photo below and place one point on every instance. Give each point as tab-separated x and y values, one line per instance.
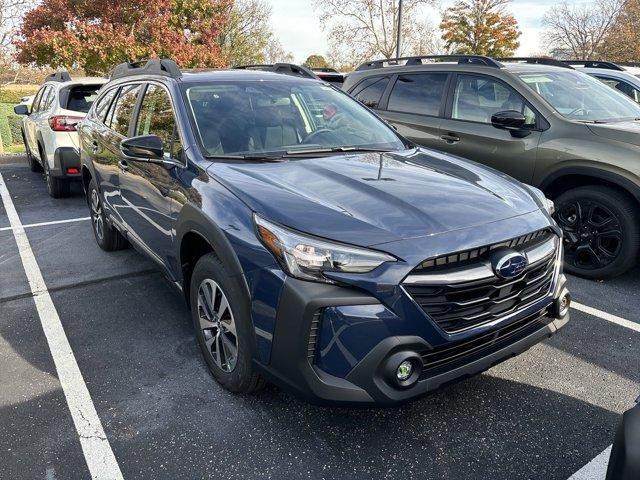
296	25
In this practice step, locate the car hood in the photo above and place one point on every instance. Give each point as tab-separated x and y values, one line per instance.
627	132
369	199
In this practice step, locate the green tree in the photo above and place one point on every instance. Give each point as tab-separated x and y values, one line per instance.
247	33
315	61
480	27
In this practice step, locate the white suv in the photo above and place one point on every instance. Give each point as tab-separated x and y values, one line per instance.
622	77
49	128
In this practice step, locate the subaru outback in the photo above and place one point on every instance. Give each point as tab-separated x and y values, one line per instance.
538	120
315	246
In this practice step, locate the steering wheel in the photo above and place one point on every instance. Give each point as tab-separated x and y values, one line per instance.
578	110
317	133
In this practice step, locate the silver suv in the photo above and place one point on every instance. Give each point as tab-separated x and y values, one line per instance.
49	128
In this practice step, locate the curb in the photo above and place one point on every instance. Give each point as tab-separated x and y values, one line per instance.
9	158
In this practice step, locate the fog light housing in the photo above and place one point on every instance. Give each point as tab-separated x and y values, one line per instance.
562	304
404	371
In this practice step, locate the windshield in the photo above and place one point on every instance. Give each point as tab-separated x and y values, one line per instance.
261	117
578	96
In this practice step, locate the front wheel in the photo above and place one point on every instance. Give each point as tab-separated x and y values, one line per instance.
601	231
220	311
34	166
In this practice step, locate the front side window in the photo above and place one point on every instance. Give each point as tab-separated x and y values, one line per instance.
101	108
477	99
419	93
157	118
121	114
259	117
370	91
578	96
629	90
37	99
47	100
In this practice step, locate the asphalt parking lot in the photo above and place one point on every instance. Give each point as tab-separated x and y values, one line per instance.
542	415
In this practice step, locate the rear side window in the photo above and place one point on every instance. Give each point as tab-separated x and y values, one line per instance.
47	100
156	118
81	97
370	91
121	114
41	98
419	93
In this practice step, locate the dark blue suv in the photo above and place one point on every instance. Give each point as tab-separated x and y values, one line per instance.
315	246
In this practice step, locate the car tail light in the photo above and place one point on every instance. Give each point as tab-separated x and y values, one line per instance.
64	123
73	171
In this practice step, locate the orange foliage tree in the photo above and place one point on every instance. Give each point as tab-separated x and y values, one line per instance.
95	35
480	27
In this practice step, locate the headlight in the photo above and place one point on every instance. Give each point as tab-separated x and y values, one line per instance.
547	204
306	257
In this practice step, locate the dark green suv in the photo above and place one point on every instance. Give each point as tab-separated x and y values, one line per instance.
537	120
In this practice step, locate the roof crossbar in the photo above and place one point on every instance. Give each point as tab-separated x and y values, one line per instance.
60	76
538	61
154	66
595	64
417	60
284	68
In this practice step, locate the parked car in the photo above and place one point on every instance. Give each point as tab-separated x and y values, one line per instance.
538	120
330	75
612	74
624	461
323	253
49	128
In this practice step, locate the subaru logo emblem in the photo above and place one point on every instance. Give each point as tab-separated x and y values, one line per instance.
509	264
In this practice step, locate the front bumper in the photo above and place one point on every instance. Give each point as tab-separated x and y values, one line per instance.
366	337
66	163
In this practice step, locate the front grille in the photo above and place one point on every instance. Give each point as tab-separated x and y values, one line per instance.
441	360
459	305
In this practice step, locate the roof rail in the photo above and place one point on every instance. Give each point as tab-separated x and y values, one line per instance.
595	64
285	68
538	61
154	66
628	64
60	76
417	60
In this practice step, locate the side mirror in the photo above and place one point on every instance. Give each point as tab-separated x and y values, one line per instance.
144	148
512	121
21	109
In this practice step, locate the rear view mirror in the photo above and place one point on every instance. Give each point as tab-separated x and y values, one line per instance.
21	109
145	147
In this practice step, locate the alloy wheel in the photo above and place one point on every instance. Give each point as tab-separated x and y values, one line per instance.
96	214
217	325
592	234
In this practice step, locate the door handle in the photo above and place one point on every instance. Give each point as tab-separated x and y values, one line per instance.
94	147
124	166
450	138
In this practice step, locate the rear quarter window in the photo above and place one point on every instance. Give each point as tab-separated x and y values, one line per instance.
369	91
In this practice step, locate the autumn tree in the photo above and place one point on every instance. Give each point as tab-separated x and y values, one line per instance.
316	61
622	41
275	52
580	31
97	35
359	30
480	27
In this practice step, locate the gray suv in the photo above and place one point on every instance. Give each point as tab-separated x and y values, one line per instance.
538	120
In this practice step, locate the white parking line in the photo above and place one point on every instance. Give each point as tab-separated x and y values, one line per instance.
596	469
42	224
607	316
97	451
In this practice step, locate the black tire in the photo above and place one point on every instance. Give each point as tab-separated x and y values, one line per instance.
242	378
34	166
57	187
107	236
601	231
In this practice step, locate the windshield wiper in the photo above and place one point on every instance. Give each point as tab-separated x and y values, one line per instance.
311	151
250	157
